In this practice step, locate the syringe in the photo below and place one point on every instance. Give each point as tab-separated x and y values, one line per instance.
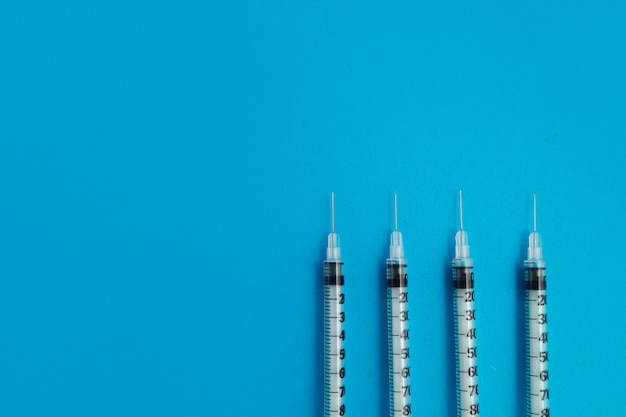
398	325
538	394
464	324
334	333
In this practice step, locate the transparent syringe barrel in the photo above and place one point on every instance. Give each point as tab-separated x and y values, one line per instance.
537	391
398	338
334	338
465	341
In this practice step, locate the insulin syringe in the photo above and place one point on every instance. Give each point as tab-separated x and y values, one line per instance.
537	392
398	325
464	324
334	333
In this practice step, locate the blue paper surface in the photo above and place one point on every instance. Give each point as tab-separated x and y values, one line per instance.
165	180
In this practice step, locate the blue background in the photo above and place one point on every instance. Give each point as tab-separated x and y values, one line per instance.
165	179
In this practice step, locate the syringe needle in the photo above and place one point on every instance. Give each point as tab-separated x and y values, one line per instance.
332	211
534	212
461	207
395	208
396	248
333	252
